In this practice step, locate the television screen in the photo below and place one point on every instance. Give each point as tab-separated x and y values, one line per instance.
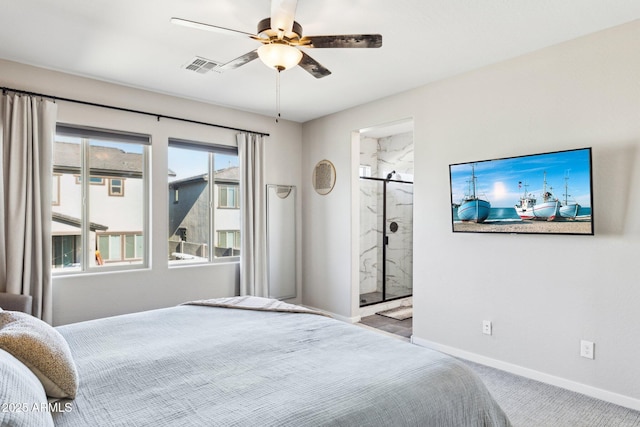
538	194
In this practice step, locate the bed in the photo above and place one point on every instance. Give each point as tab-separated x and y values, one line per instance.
216	363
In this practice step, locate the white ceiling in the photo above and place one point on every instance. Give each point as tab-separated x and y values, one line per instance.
132	42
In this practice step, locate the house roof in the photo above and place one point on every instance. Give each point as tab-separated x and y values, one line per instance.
189	180
229	175
116	162
103	160
73	221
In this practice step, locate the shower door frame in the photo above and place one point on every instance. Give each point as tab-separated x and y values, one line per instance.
385	239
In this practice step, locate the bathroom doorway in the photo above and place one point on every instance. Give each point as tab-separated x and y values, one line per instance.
386	213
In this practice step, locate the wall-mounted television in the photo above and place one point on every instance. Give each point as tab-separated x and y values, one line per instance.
547	193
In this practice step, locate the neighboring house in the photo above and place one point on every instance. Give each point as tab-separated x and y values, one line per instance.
115	186
189	213
115	189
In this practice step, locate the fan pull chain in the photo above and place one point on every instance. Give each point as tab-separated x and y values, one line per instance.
277	95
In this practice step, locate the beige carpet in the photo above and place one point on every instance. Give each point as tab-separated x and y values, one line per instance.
530	403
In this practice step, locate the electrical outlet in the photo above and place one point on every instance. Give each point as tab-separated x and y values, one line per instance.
587	349
486	327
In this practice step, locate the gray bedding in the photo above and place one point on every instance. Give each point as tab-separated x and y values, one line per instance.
209	366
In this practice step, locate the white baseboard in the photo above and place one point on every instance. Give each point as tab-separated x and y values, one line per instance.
380	331
365	311
354	319
597	393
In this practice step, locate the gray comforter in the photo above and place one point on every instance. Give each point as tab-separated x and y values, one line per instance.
206	366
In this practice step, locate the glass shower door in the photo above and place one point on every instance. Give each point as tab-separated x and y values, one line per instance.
386	240
371	191
399	240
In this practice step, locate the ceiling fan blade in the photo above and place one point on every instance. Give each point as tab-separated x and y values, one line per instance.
313	67
282	15
239	61
207	27
343	41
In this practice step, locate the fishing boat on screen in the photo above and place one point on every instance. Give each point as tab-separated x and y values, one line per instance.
569	209
548	209
472	208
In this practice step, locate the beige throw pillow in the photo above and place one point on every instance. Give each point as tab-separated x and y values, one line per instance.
42	349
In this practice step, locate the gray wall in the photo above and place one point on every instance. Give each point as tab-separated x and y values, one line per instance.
583	93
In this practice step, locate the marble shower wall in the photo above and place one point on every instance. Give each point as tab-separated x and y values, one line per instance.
383	156
396	153
370	232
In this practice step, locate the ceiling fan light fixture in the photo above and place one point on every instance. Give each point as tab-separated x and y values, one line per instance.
279	56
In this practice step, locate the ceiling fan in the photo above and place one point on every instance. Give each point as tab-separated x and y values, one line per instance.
281	37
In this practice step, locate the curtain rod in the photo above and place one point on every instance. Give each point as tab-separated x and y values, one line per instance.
128	110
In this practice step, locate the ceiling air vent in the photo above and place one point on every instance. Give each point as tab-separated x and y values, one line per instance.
201	65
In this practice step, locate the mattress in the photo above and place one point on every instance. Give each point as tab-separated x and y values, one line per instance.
213	366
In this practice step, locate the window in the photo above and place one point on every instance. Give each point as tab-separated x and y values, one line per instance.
90	229
110	247
119	247
66	252
134	246
116	187
228	196
228	242
93	180
203	211
55	191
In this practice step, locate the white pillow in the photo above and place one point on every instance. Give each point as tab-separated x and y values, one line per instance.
42	349
22	395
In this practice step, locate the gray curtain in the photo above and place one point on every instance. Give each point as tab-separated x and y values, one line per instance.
27	132
253	250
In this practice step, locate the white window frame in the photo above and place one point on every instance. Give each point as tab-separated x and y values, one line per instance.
235	236
122	246
227	188
120	187
86	135
212	234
